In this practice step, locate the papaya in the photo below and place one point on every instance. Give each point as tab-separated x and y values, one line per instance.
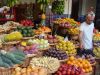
18	52
1	61
6	60
21	58
12	58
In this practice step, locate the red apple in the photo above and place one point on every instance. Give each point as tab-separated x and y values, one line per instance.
50	37
27	48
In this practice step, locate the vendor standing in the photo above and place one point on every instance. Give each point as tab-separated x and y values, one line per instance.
86	34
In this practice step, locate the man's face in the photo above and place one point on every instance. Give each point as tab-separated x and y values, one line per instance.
90	18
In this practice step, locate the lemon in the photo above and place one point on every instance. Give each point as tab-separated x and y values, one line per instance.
23	43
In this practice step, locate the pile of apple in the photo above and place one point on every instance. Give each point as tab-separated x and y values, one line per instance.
67	46
30	71
65	25
42	43
28	48
52	39
79	62
27	23
14	36
66	69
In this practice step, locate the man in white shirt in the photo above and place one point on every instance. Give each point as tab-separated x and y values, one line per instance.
86	34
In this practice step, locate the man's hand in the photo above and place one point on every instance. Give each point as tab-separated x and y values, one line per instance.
81	46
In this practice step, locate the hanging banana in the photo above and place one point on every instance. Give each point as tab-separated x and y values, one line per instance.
43	4
11	3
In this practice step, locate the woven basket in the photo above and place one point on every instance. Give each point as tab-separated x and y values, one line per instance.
74	37
6	71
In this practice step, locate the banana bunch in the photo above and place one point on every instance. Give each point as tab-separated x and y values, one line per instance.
52	64
58	6
43	4
43	1
97	51
11	3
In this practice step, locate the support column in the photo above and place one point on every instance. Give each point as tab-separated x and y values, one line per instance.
84	3
68	7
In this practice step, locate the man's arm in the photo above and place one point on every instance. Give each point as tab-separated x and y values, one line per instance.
80	39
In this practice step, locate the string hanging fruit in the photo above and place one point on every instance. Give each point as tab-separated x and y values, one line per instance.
11	3
58	6
43	4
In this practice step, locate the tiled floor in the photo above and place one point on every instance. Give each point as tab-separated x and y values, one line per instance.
98	69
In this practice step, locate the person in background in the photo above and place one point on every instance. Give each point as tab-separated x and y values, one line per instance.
86	35
37	21
4	9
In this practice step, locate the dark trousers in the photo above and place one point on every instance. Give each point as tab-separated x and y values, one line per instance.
85	52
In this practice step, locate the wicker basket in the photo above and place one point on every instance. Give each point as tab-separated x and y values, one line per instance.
26	62
74	37
91	73
6	71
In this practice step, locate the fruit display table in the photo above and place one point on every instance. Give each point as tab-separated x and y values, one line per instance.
28	51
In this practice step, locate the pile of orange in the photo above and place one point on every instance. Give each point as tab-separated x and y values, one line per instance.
42	29
79	62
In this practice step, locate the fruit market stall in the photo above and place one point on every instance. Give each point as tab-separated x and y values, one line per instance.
29	51
25	50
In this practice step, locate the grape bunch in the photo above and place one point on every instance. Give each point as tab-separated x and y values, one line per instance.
53	52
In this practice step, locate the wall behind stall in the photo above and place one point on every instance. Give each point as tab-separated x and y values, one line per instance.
85	5
68	7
